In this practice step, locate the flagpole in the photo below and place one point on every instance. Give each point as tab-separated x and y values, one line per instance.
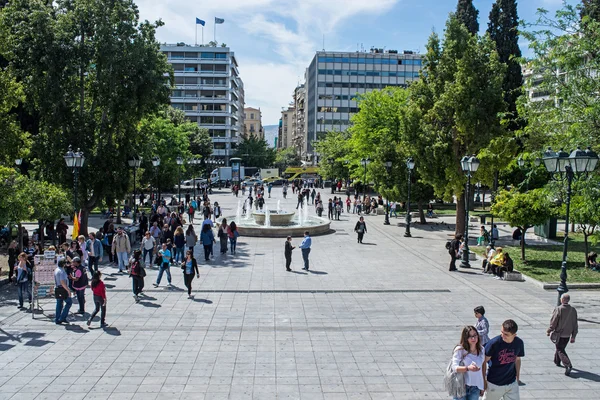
215	33
196	40
202	35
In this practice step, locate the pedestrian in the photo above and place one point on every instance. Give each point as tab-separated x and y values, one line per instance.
338	209
233	235
95	252
189	267
147	246
137	273
222	234
504	352
288	253
80	283
482	326
217	211
207	238
179	241
320	208
348	203
121	248
300	199
191	210
191	238
305	246
563	328
313	194
84	250
330	208
269	188
360	228
61	230
62	294
109	235
165	264
13	251
99	291
467	358
24	273
453	250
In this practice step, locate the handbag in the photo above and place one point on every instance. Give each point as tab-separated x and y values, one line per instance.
454	382
554	336
60	293
142	271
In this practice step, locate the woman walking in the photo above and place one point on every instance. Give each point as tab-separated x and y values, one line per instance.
207	238
148	244
233	234
12	258
189	267
137	273
99	291
190	238
179	241
467	359
223	235
24	270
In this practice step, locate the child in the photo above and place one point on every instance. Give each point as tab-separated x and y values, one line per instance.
99	290
288	253
482	326
170	248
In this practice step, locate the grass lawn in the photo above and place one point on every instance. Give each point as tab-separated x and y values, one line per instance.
543	262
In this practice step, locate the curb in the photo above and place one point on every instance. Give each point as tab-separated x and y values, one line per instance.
554	286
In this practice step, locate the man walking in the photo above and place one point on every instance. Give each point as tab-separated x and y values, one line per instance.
61	280
360	228
505	352
95	252
564	326
305	246
121	247
453	251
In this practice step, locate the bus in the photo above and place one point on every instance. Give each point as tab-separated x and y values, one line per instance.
292	173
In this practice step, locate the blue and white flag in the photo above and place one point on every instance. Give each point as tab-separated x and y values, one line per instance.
219	20
199	21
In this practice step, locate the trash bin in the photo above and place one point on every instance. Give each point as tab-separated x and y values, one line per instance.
547	230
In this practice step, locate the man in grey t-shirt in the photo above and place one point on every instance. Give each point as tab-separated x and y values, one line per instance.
62	306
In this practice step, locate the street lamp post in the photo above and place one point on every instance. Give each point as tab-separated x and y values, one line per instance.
156	164
410	165
469	166
134	162
388	167
18	162
179	161
75	161
330	161
194	161
566	166
365	162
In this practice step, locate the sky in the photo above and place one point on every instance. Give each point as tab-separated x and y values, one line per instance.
275	40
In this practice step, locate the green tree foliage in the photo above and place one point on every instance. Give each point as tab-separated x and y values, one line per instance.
16	205
287	158
91	72
584	209
565	66
590	8
457	103
523	210
255	152
15	142
503	30
335	146
468	15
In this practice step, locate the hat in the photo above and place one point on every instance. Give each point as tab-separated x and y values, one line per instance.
76	259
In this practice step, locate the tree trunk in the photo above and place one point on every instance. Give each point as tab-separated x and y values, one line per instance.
585	247
573	227
523	230
422	218
83	223
41	231
460	214
119	213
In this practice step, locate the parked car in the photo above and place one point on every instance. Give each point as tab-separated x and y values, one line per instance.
271	179
253	181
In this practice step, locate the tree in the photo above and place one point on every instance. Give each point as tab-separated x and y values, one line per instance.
15	142
16	205
457	103
335	146
255	152
584	209
467	14
91	72
287	158
523	210
48	201
503	30
590	8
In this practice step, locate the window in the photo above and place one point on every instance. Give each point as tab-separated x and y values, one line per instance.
220	120
251	115
207	55
177	93
178	106
216	132
251	127
192	119
190	80
221	67
220	146
177	54
191	107
221	55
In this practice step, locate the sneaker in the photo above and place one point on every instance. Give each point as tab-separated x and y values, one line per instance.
497	277
89	322
169	284
103	324
155	284
568	371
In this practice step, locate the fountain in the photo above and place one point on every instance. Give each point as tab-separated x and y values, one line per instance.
267	217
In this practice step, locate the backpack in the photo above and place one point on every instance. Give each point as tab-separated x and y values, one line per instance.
83	280
448	245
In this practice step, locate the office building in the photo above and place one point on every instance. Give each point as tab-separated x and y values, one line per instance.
209	90
253	122
286	137
333	80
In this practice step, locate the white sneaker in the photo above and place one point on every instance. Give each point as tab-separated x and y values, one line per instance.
169	285
497	277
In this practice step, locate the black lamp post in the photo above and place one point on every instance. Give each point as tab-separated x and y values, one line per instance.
75	161
565	166
364	162
469	166
194	161
134	162
410	165
215	162
330	161
179	161
388	167
156	164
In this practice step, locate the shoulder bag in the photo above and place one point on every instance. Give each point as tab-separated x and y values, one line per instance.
454	382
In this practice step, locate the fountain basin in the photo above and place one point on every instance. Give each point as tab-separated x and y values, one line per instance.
276	218
314	225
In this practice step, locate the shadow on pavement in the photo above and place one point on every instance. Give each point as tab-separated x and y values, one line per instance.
206	301
149	304
468	272
298	272
579	374
369	244
317	272
113	331
75	328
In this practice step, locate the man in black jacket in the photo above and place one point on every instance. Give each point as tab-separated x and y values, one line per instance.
288	253
453	251
361	229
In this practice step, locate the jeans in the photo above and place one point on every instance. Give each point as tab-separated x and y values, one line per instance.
179	254
207	250
100	305
81	300
472	394
93	264
62	313
24	287
145	252
137	284
164	267
305	253
232	244
122	257
187	280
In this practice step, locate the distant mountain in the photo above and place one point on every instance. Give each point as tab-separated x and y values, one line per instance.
271	132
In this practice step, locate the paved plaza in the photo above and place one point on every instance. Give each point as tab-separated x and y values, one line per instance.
371	321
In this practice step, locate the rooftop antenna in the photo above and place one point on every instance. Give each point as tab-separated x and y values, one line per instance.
323	42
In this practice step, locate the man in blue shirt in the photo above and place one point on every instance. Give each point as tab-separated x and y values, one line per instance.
505	352
165	253
305	247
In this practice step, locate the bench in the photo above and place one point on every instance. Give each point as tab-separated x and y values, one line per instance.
513	276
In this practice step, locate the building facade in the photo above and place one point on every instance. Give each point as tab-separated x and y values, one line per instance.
299	123
334	79
253	122
209	90
287	128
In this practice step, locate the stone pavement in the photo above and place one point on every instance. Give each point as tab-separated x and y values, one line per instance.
372	321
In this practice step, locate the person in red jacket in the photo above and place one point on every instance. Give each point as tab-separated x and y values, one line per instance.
99	290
